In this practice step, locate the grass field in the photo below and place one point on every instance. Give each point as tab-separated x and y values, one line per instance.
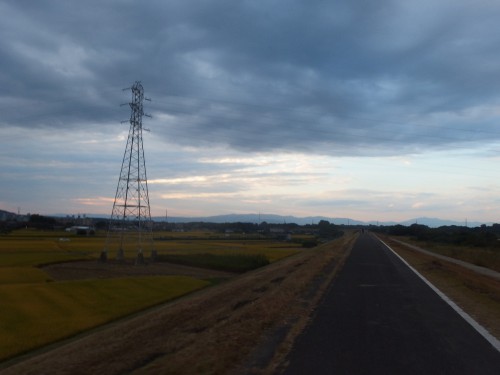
25	248
32	248
235	327
272	250
38	313
37	310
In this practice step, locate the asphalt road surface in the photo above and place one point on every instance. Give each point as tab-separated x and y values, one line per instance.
378	317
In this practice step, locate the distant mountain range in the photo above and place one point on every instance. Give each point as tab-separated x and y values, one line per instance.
280	219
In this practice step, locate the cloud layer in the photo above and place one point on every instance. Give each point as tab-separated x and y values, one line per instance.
312	75
237	79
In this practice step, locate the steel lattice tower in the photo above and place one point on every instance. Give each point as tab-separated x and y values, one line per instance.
130	225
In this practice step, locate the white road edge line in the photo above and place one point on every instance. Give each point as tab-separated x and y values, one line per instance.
478	327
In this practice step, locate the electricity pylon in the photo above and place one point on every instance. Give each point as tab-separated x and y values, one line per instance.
130	225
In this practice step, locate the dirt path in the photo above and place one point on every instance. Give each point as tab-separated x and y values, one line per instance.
246	325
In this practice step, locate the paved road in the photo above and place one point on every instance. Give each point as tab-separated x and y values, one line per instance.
378	317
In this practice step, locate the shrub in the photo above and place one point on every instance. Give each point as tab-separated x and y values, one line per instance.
309	243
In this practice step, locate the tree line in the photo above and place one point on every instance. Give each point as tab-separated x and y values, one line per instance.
483	236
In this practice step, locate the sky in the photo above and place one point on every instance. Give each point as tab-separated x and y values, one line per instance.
372	110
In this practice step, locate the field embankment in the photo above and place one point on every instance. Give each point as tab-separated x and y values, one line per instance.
224	262
84	270
246	324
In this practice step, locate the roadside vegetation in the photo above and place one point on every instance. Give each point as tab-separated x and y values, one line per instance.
476	294
479	245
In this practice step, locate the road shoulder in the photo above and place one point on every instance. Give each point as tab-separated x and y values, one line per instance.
478	294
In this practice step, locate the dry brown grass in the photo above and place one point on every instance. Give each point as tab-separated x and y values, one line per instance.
484	257
246	325
476	294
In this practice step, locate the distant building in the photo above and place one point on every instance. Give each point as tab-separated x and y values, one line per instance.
10	216
81	230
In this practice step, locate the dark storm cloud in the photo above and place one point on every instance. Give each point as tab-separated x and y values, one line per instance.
344	77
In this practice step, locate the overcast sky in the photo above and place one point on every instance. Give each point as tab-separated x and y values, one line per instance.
373	110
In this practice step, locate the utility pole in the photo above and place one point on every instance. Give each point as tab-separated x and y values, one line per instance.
130	225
